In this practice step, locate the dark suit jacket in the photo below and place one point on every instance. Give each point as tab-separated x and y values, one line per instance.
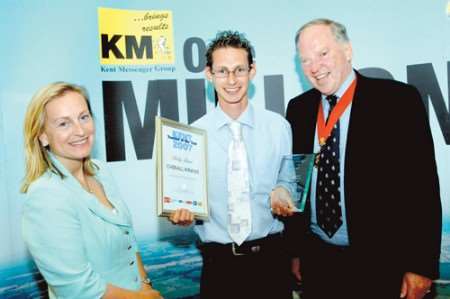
391	185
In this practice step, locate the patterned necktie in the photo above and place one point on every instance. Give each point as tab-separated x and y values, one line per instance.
239	217
328	196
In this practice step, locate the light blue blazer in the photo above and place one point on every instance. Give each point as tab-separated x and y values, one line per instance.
78	244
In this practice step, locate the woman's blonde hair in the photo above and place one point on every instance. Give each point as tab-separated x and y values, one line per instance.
37	160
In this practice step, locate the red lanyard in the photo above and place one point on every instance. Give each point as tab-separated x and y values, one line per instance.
324	129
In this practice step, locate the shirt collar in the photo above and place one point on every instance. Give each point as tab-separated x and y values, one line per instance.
58	164
246	117
340	92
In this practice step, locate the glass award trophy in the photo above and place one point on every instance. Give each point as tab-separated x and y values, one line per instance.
295	175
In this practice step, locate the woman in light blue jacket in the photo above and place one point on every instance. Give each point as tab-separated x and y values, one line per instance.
75	224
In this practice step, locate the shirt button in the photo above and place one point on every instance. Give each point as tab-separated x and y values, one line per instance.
129	247
131	263
126	232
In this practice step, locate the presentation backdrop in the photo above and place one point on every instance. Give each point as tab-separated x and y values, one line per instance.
139	59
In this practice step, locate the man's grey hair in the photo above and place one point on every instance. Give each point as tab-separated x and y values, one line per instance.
338	30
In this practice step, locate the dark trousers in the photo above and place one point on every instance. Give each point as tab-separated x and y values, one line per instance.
262	271
339	272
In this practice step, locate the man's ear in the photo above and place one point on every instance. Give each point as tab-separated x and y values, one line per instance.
348	52
208	74
252	72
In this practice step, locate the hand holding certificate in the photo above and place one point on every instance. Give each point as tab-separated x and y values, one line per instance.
181	168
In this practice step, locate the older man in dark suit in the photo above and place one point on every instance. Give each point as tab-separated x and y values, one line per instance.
372	227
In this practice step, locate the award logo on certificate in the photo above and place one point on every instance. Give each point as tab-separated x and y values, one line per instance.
181	169
295	174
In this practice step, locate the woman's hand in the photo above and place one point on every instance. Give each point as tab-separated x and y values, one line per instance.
149	293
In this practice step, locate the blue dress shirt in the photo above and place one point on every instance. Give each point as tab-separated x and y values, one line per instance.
341	236
267	137
77	243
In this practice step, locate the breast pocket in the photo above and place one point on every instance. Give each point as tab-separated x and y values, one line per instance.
265	163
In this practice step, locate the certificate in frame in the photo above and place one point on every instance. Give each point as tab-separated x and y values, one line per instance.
181	168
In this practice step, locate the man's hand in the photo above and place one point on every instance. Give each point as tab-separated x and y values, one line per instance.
295	269
182	217
281	202
415	286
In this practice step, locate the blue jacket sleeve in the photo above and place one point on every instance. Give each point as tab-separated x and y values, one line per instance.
52	233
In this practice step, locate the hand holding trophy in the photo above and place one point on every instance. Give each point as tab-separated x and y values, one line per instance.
281	202
293	181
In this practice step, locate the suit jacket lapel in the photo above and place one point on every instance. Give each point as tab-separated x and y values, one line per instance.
312	110
354	138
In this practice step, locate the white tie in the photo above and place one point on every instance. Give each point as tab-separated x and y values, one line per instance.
239	217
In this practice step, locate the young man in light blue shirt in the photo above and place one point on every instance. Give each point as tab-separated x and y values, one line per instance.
258	267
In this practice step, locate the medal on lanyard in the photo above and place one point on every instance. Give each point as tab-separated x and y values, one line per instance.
324	128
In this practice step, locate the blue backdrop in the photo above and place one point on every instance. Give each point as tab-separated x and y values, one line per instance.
45	41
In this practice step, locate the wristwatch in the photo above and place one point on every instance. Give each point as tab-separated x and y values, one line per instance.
147	281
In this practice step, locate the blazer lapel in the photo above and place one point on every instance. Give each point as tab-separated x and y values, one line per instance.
93	204
121	218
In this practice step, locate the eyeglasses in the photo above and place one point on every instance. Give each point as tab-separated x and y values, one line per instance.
240	71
